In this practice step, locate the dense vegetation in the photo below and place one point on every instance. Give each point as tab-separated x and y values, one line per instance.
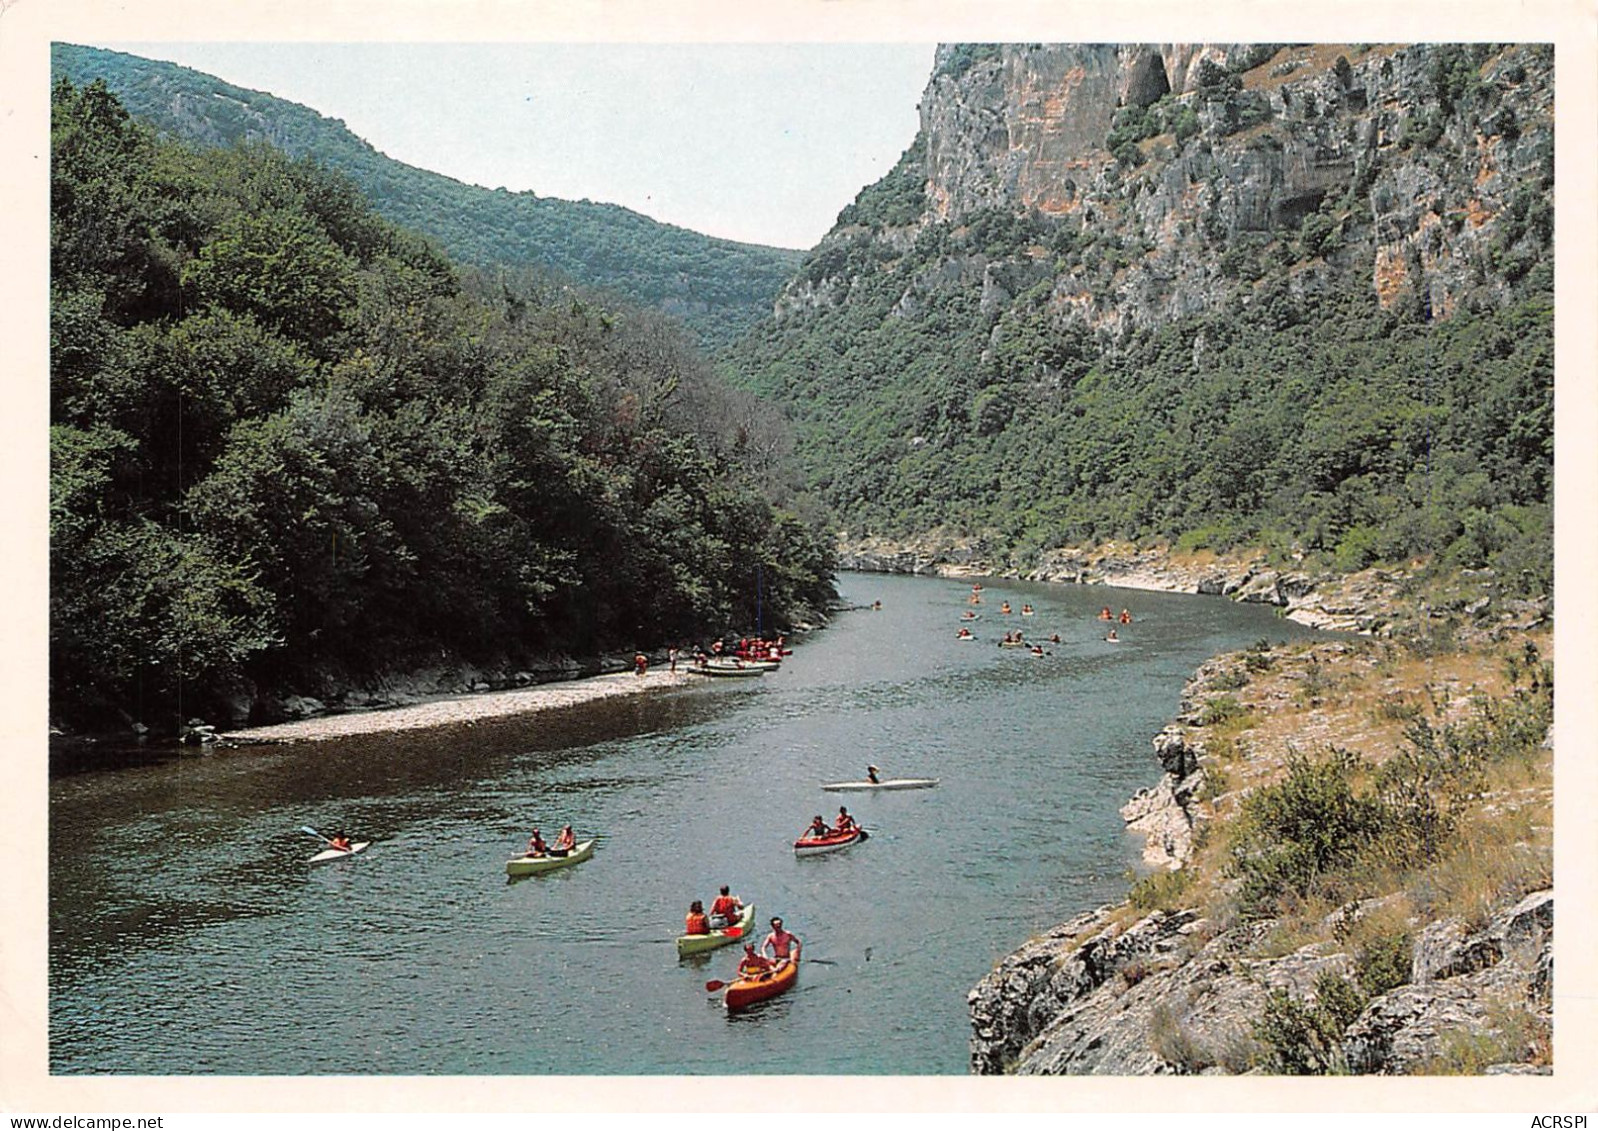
717	287
939	381
287	435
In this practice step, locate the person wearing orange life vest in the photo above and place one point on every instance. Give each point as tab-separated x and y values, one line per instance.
340	842
725	908
752	963
781	944
696	922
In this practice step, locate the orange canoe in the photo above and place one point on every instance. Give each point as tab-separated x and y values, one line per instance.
758	987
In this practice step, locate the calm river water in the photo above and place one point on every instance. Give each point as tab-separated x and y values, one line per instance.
188	934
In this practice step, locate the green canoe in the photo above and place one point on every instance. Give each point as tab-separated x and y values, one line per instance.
527	865
739	932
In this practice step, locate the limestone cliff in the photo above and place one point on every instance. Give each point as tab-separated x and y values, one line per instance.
1173	154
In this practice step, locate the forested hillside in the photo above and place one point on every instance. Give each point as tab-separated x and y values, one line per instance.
1298	297
288	436
717	287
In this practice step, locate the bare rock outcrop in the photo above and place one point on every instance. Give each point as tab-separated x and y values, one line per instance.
1169	993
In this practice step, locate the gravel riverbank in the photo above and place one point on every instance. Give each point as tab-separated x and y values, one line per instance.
461	708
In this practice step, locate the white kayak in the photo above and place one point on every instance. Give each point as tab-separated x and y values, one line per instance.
885	783
327	854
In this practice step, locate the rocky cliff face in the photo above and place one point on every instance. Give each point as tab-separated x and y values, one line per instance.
1170	156
1171	993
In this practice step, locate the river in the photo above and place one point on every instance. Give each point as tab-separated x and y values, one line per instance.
188	935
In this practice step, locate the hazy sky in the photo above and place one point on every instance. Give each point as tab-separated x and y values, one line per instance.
762	142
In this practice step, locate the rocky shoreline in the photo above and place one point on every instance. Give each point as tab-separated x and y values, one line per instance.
1125	992
1353	603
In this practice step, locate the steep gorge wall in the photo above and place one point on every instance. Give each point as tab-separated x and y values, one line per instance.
1416	190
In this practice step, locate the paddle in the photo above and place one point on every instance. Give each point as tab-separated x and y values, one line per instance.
323	839
717	984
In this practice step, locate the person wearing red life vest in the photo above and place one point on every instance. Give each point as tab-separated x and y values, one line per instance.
724	910
697	922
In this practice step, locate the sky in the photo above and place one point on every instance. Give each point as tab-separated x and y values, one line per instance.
762	143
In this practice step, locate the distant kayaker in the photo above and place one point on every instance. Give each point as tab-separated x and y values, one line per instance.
724	909
963	634
780	943
340	842
1105	614
818	829
1055	639
1112	636
752	963
697	922
1005	608
536	845
871	775
846	823
565	842
1126	617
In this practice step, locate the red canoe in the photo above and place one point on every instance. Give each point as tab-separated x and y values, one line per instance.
758	987
811	846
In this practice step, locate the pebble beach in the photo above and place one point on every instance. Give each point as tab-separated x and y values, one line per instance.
457	709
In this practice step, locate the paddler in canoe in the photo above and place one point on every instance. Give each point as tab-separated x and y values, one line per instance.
818	829
780	943
725	909
846	823
964	634
536	845
564	843
696	922
752	963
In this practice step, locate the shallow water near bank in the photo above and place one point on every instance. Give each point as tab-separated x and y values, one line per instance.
188	934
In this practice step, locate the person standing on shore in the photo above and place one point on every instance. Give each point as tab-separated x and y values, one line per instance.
672	656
